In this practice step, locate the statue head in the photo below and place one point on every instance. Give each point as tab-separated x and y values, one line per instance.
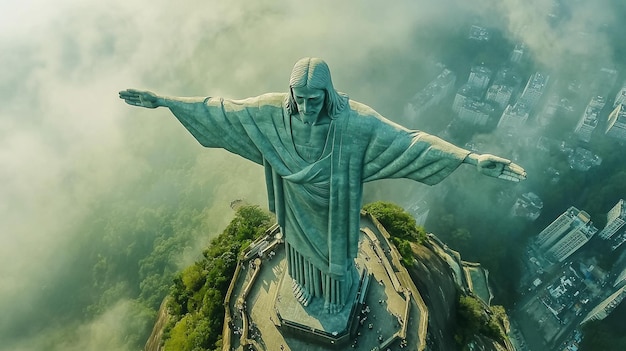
314	74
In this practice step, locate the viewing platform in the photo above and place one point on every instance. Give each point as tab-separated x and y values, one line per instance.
386	311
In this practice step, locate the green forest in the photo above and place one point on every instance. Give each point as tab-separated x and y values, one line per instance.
196	303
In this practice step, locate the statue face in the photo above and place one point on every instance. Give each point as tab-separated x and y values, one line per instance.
310	103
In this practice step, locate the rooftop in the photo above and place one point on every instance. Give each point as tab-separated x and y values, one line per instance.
479	33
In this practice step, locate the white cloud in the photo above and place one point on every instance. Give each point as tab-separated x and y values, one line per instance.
66	139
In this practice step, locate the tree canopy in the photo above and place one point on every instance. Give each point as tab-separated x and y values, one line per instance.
396	220
198	293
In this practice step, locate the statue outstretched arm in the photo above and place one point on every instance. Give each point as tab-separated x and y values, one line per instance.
207	120
496	167
148	99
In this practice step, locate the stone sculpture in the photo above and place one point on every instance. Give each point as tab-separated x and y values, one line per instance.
318	147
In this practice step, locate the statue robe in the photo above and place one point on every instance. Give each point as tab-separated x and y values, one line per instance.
317	204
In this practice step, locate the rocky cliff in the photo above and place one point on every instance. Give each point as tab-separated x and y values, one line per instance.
438	273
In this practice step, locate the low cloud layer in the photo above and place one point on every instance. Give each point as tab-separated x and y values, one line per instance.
66	140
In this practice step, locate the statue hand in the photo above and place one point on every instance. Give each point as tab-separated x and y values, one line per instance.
140	98
499	167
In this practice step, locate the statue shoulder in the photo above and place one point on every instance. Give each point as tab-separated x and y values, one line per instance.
263	100
366	120
272	99
361	108
365	115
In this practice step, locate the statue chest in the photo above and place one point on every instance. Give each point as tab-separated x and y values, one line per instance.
310	141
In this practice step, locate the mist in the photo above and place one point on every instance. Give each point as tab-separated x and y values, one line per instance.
69	146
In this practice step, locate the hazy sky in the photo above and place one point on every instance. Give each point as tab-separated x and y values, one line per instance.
66	139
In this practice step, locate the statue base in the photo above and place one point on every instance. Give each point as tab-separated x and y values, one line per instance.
313	322
264	315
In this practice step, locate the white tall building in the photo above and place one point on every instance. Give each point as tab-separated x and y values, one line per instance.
534	89
604	308
479	77
589	120
557	228
505	85
620	98
432	94
566	234
479	33
529	205
500	94
615	220
514	116
476	112
619	271
518	53
616	125
465	94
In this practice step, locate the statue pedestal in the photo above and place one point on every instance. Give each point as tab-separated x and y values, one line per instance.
313	322
379	314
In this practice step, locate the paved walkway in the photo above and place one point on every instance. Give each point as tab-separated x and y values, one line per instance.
379	322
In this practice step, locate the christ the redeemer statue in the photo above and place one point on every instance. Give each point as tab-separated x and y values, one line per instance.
318	147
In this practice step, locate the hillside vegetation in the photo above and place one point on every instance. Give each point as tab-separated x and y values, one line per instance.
196	305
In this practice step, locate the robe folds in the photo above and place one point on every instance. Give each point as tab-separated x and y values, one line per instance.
317	203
